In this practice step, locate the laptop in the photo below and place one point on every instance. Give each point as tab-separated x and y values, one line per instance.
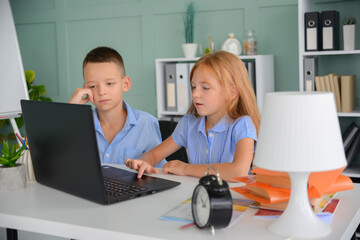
65	155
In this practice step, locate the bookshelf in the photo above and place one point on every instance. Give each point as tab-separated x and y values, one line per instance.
352	170
308	6
264	80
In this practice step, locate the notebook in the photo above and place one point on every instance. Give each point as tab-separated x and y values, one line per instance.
65	156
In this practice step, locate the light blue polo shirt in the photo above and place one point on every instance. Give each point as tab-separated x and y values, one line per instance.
139	134
220	143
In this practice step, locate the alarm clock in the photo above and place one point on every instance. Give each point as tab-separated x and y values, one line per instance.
211	204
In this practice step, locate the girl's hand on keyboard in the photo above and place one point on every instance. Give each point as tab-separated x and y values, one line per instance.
141	166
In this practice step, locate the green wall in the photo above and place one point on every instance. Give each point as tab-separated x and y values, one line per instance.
54	37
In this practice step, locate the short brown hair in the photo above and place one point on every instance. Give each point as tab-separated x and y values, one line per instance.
230	71
104	54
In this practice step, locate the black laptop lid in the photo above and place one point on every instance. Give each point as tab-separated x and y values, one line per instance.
65	155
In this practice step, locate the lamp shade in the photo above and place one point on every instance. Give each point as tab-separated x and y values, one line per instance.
300	132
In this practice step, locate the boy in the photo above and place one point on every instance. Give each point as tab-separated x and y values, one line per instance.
122	132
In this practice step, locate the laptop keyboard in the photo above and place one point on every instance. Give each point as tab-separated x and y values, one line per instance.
117	189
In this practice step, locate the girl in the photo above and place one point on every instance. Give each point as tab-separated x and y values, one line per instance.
220	128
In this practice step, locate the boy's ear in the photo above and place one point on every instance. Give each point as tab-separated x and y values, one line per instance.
84	85
126	84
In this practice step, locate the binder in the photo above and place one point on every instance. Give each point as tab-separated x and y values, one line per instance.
334	82
251	73
322	84
310	71
312	31
332	86
317	83
327	83
182	87
170	82
347	93
330	30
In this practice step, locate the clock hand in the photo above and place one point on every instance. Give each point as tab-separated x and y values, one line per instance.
202	200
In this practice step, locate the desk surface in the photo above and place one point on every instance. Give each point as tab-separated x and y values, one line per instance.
41	209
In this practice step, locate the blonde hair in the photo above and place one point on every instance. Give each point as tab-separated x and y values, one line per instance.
231	72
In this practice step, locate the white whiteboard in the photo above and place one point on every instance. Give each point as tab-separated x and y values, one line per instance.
12	79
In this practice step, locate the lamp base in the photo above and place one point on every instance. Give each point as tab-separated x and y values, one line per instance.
298	219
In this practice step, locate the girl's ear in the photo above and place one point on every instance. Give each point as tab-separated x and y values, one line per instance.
234	93
84	85
126	84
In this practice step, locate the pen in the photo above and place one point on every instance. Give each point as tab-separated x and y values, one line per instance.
20	139
187	225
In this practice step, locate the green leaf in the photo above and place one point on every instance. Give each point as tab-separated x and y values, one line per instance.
30	76
12	151
45	99
3	160
6	149
13	159
11	156
39	88
19	152
32	95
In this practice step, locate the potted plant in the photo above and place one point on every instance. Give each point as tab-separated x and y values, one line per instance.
12	175
189	46
349	27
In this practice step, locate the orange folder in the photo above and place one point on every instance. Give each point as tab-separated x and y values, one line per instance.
319	184
342	183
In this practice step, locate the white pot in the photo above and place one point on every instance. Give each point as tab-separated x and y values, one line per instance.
12	178
349	37
189	49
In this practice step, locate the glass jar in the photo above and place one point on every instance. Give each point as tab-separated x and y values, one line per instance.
250	47
232	45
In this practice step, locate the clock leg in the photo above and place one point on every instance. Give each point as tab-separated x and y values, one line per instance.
212	230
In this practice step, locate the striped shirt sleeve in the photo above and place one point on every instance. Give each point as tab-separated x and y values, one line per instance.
180	133
244	128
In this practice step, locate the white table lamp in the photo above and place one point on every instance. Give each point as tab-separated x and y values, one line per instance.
299	134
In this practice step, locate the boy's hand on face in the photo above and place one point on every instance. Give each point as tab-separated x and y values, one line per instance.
176	167
141	166
82	96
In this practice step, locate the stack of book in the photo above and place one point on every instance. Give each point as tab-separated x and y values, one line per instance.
271	189
343	88
351	139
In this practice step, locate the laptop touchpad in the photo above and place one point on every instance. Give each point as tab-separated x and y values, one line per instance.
116	173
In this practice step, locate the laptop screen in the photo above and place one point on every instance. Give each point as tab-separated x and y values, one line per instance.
63	147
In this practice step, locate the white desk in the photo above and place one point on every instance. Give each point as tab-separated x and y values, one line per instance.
44	210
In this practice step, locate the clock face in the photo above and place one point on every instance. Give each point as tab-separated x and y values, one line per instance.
201	206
